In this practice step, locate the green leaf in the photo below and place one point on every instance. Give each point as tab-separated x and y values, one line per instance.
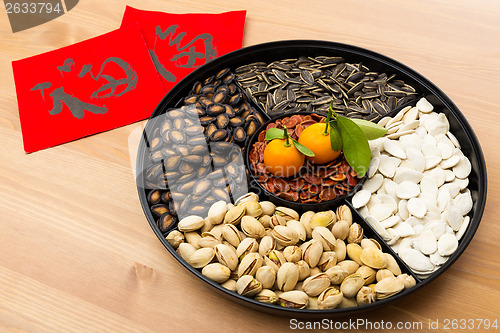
335	138
372	131
303	149
356	148
274	133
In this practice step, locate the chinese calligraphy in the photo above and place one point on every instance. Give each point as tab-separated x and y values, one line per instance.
188	50
107	90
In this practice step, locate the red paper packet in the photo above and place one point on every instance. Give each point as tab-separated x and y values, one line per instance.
180	43
85	88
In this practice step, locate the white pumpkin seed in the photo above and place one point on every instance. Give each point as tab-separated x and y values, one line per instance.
406	174
403	210
424	106
390	221
463	228
463	202
447	244
463	168
407	190
417	207
427	242
453	139
395	149
361	198
454	217
410	115
416	260
404	229
374	183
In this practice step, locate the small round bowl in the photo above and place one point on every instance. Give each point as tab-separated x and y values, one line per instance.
279	201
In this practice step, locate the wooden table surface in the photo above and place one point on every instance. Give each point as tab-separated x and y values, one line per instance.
76	251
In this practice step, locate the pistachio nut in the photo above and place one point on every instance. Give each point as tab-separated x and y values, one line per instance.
351	285
295	299
316	284
287	277
253	208
248	286
252	227
388	286
231	233
340	229
275	259
208	239
250	264
408	280
247	198
268	208
340	249
328	259
344	213
292	253
355	233
304	269
347	303
392	264
350	266
367	273
226	256
229	246
298	286
175	238
234	215
186	250
230	285
216	272
287	213
190	223
217	230
207	226
354	252
266	245
311	252
373	257
265	220
314	271
366	295
336	274
305	220
266	276
202	257
330	298
277	220
313	303
370	242
217	212
266	296
322	219
382	274
247	245
325	237
298	227
192	238
285	235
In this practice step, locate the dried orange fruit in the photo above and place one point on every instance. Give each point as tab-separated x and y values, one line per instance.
313	137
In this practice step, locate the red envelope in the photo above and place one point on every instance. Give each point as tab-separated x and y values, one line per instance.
180	43
85	88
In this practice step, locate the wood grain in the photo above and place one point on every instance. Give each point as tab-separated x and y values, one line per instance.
76	252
